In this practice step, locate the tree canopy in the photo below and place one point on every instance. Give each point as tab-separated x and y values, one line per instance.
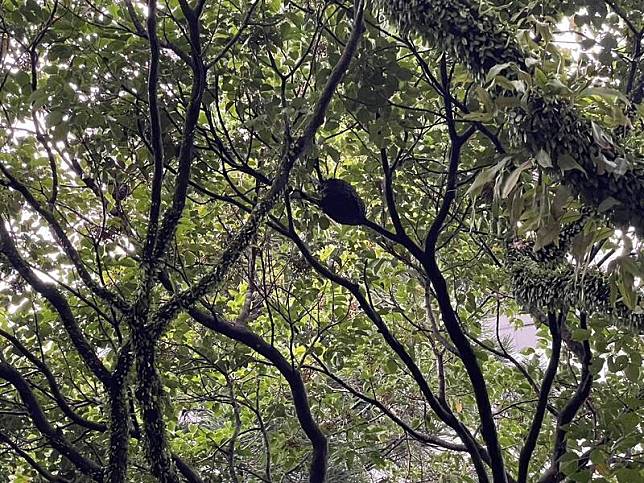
284	241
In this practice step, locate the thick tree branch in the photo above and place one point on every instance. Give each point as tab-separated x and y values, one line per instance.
450	319
149	386
119	432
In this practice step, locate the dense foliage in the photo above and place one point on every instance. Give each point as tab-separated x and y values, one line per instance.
286	241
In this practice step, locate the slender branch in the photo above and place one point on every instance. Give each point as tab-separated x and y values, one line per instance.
53	435
401	352
64	242
173	214
235	38
457	142
450	319
140	31
569	411
401	234
42	471
554	324
155	131
55	389
621	14
421	437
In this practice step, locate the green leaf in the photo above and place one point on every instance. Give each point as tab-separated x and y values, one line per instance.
478	116
495	70
486	176
54	118
38	98
323	222
608	204
543	158
547	234
567	163
632	373
580	335
582	476
512	180
604	93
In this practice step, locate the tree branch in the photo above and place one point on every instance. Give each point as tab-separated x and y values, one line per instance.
42	471
293	378
155	132
65	243
60	304
441	411
421	437
52	434
55	389
569	411
554	324
547	122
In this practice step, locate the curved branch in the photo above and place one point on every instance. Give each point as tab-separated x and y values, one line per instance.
149	385
421	437
55	389
401	352
244	335
448	315
569	411
65	243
